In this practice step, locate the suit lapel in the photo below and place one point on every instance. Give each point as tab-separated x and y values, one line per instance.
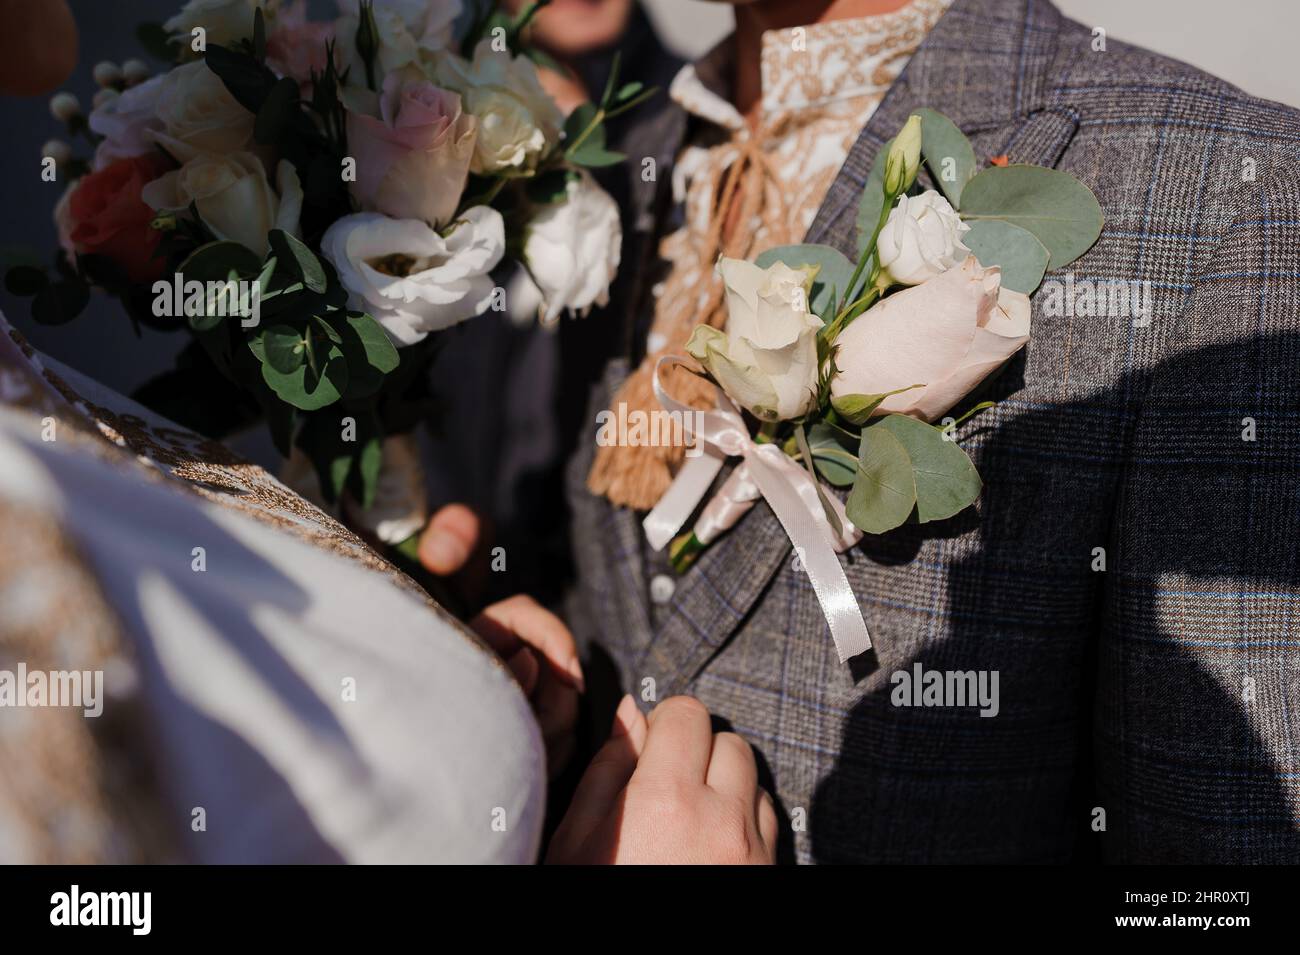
984	65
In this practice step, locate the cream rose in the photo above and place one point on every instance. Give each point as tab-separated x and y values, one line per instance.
412	279
572	249
767	360
413	146
199	115
232	196
946	335
223	21
921	238
518	120
405	30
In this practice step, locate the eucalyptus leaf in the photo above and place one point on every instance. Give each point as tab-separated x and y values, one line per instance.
60	302
945	480
884	489
948	153
308	388
25	280
834	270
302	260
1022	258
370	354
834	462
1058	209
283	348
370	459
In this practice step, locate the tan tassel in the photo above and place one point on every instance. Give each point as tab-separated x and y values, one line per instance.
637	476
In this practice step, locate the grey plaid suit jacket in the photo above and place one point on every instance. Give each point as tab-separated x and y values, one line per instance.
1150	711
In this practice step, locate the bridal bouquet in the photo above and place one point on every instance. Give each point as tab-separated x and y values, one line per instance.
850	369
312	202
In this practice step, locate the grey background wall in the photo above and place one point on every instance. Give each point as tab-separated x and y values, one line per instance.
1250	42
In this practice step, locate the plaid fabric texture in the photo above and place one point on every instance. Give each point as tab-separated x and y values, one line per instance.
1148	711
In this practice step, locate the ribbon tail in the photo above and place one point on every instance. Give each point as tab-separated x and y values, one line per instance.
688	488
820	562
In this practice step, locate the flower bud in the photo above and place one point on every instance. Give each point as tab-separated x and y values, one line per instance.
904	157
57	150
107	73
64	106
135	71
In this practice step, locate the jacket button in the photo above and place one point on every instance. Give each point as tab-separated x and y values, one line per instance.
661	588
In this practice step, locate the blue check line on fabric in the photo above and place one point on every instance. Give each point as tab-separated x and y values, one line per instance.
1064	89
1255	134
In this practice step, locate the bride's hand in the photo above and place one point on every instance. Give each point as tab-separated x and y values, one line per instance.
541	653
533	642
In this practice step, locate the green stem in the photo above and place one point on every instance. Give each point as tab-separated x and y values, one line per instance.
869	249
526	17
596	120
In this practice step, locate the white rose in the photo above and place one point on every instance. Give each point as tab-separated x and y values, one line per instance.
946	335
572	249
410	278
199	115
921	239
767	360
223	21
405	29
518	120
232	196
128	122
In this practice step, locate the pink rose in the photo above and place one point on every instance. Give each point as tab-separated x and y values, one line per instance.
413	144
947	334
127	122
296	46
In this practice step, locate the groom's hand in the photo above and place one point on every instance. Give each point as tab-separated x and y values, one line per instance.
669	790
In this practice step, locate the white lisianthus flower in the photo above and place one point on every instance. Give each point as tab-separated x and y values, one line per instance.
128	122
518	120
223	21
946	335
411	279
767	359
199	115
572	249
921	239
233	197
405	29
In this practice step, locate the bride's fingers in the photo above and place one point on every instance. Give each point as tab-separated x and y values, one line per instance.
521	620
449	539
603	782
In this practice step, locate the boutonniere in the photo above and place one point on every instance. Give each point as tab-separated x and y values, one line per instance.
850	369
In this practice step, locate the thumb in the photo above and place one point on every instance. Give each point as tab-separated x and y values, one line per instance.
602	783
449	539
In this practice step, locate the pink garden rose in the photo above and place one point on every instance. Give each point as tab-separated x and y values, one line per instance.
296	46
947	334
413	144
